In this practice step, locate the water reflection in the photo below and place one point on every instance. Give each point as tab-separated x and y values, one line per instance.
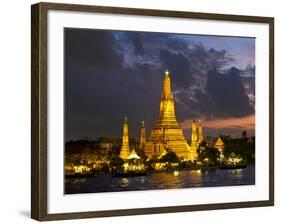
163	180
124	182
236	171
75	181
142	180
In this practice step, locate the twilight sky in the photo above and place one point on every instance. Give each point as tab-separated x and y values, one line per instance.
110	75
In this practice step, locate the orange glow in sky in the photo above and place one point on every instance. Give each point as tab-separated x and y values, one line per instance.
246	123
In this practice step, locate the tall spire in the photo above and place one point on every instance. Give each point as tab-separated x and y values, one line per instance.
167	106
194	136
194	141
167	93
200	132
142	136
125	152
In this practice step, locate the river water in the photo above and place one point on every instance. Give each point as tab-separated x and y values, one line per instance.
162	180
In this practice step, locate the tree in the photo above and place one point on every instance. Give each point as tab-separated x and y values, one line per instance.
240	147
113	153
72	159
116	161
170	157
77	162
244	134
208	155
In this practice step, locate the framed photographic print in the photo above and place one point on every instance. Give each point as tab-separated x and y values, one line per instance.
138	111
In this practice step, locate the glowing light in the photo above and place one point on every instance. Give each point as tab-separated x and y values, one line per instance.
167	72
235	160
124	181
81	169
176	173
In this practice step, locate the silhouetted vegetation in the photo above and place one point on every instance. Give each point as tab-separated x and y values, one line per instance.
170	157
208	156
243	148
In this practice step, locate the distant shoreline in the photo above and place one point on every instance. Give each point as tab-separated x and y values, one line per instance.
100	173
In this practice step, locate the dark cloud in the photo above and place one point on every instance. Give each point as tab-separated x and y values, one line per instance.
91	48
178	65
176	44
224	96
219	59
198	55
99	107
99	93
135	40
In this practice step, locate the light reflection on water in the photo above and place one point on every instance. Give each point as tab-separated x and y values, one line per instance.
124	182
162	180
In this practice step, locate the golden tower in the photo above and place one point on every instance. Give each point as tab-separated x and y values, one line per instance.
142	136
125	152
194	139
167	133
200	132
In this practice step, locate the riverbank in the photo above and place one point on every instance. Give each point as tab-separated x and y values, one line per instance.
204	168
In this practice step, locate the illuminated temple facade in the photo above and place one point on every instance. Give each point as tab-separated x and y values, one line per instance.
125	151
167	133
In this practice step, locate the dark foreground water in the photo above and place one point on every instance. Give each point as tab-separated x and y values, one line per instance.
162	180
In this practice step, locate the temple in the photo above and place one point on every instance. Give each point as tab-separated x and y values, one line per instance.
167	133
125	151
219	144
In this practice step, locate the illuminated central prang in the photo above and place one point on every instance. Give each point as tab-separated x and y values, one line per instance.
167	133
